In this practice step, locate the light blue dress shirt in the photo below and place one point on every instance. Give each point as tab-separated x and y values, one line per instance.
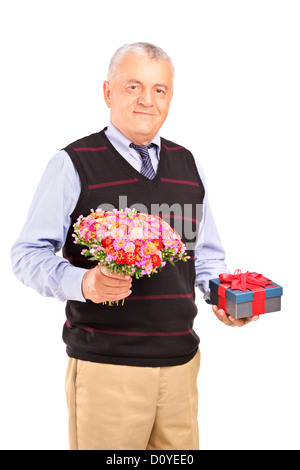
34	255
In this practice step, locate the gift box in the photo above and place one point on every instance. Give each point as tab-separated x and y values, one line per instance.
244	295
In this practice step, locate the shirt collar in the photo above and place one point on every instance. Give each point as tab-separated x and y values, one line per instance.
121	142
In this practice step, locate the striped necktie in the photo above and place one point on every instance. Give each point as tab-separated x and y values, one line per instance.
147	167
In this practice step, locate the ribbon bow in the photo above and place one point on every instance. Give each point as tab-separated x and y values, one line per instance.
244	281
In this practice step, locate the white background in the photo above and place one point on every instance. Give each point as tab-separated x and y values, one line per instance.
236	107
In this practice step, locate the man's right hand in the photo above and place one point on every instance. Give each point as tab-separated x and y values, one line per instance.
99	285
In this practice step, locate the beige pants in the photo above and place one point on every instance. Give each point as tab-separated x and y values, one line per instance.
132	408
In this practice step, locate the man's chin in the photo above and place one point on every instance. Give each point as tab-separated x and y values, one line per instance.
139	131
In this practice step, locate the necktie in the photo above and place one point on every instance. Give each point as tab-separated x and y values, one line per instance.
147	167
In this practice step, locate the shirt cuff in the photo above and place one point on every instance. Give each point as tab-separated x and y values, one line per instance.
71	284
206	297
205	292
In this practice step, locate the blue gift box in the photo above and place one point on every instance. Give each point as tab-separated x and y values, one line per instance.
239	303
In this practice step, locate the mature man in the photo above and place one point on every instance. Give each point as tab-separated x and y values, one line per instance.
132	373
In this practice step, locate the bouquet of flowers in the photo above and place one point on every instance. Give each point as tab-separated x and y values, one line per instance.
129	242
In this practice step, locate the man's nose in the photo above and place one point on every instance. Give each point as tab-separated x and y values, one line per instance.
146	98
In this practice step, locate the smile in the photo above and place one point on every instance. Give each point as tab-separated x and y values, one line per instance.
143	114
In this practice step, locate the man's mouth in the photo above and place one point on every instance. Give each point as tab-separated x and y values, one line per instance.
141	113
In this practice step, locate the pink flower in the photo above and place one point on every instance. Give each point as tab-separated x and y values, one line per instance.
129	247
119	244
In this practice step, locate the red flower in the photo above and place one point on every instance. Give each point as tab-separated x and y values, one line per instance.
138	245
157	243
120	256
110	249
130	258
107	241
156	260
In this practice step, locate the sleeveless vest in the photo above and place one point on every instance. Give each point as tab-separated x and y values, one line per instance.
154	327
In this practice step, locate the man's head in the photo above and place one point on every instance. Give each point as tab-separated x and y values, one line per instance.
139	90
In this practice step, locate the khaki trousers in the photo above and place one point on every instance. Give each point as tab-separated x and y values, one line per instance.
115	407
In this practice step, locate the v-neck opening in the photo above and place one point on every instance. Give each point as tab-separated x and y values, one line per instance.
142	179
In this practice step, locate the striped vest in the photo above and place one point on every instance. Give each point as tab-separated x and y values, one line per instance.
154	327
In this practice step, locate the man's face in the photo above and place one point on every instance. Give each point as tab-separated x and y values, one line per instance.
139	96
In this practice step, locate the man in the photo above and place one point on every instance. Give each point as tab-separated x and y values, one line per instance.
132	373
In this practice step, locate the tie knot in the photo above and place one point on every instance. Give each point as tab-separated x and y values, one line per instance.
142	149
147	167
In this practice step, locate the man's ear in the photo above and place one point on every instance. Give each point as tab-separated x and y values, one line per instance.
106	92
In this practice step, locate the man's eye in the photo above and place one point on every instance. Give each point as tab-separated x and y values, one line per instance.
133	88
159	91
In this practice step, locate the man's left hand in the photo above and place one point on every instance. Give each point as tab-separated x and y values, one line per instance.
229	320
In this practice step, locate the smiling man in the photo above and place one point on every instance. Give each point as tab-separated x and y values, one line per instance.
139	95
131	382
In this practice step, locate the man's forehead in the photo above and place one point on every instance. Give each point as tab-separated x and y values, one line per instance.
133	60
132	69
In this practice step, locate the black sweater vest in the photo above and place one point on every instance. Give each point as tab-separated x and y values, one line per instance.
154	327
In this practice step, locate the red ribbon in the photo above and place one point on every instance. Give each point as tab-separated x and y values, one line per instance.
243	281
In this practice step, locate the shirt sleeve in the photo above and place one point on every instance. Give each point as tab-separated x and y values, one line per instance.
34	255
209	252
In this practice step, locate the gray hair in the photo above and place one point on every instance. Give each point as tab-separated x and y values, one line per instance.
146	48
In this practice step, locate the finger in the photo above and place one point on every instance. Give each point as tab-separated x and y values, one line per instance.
104	270
114	285
222	316
115	280
111	290
242	321
238	321
118	296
